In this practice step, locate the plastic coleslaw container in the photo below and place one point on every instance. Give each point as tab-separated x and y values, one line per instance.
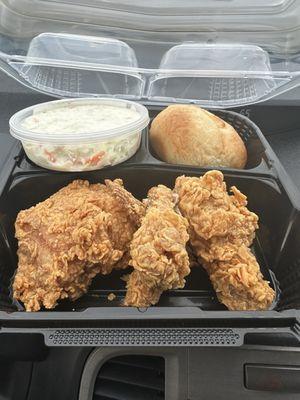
80	134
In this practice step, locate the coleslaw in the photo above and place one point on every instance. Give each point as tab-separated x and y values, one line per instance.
80	134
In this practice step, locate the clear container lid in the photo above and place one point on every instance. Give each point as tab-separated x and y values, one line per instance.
215	53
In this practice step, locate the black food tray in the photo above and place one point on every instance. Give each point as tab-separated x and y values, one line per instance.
260	156
28	190
270	194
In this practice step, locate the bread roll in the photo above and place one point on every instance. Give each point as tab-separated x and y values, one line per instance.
187	134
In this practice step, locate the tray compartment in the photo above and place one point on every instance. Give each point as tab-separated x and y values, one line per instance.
288	269
252	136
26	190
261	158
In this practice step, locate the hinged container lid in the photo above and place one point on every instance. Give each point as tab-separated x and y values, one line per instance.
216	53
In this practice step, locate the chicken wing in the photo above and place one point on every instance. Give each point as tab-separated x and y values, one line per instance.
158	250
221	231
80	231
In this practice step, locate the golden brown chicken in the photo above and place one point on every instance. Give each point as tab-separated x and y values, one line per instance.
221	231
158	250
79	232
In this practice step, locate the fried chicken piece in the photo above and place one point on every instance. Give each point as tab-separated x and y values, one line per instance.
158	250
221	231
79	232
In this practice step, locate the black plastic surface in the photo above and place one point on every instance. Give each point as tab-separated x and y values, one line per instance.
270	193
23	347
190	373
118	373
57	376
220	374
28	190
144	337
271	378
15	379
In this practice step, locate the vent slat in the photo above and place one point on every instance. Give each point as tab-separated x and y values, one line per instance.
140	361
122	391
96	397
133	376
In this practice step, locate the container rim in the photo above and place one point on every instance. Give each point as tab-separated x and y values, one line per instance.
19	132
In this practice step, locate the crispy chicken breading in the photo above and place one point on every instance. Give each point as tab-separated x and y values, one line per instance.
80	231
221	231
158	250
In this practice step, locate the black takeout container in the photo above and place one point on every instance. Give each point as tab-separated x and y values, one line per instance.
190	316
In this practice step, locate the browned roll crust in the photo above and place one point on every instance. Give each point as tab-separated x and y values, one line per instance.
187	134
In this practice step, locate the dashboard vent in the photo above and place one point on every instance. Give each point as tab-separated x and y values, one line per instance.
134	377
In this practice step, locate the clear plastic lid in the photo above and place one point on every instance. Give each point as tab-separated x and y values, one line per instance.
216	53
